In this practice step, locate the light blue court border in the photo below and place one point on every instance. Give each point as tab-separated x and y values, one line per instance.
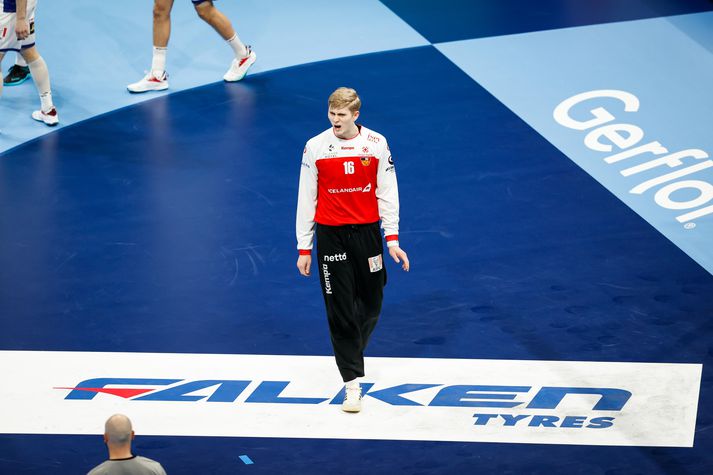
95	48
666	63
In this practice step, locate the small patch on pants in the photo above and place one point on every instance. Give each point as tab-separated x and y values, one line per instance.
376	263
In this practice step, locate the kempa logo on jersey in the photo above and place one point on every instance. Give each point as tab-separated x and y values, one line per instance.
604	133
499	401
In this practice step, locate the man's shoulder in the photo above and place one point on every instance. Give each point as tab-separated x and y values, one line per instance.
151	464
100	469
324	135
372	136
320	138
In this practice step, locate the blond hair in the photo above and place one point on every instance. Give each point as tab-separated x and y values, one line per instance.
345	97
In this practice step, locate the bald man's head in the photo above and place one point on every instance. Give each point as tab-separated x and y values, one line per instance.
117	430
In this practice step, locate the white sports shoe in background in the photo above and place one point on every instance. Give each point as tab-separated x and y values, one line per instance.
50	117
150	82
239	67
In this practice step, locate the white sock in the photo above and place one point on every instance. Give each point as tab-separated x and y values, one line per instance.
238	47
38	69
158	61
353	384
19	60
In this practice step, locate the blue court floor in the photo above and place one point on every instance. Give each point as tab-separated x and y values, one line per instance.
154	227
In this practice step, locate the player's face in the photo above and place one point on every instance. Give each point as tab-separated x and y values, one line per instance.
343	122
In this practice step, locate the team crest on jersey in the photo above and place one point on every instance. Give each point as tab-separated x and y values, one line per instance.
366	161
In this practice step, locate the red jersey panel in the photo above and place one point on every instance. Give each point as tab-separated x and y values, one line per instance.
346	192
346	182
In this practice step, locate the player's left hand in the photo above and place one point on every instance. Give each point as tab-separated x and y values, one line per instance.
399	255
22	29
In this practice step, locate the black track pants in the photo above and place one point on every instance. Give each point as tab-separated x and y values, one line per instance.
352	288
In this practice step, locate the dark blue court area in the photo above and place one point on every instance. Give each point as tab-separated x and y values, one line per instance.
168	227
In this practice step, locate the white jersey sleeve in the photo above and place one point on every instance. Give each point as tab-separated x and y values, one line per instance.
387	195
306	200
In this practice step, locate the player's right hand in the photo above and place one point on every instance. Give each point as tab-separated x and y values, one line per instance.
304	262
22	29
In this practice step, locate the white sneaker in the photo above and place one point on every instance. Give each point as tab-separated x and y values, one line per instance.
239	67
352	399
50	117
150	82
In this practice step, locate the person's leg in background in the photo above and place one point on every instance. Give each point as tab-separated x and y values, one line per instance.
40	75
157	78
244	55
18	72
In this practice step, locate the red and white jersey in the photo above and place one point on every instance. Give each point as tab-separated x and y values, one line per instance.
8	22
347	181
